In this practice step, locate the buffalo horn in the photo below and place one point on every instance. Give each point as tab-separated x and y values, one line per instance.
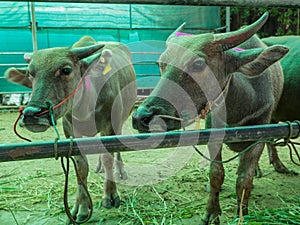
231	39
83	52
179	29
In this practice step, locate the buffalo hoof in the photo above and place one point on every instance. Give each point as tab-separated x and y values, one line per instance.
78	215
79	219
110	202
210	219
281	168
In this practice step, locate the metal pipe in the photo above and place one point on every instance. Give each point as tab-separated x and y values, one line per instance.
227	19
33	26
13	64
19	92
12	53
238	3
122	143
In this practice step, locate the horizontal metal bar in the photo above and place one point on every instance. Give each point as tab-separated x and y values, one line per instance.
146	53
145	63
12	53
133	53
135	28
148	75
239	3
15	107
123	143
17	92
13	64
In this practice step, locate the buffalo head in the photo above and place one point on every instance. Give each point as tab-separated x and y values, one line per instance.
196	70
52	74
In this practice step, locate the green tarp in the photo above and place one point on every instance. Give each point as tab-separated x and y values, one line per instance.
144	28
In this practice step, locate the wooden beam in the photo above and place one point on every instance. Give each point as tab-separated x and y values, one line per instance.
238	3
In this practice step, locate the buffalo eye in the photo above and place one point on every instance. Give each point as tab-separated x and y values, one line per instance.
66	71
198	66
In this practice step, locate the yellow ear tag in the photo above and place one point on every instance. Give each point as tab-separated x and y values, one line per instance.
197	125
107	69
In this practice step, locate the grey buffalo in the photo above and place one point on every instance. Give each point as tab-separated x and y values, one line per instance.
104	80
233	75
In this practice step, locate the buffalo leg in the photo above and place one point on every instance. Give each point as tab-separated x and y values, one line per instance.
258	172
81	209
99	167
246	170
276	162
120	173
216	176
110	195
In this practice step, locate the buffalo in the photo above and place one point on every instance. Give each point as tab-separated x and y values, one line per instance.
288	106
102	80
232	79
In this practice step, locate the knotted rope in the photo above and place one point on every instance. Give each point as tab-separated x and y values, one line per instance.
16	123
66	167
291	144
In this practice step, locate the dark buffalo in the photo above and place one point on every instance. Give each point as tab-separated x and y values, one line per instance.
240	86
101	104
288	107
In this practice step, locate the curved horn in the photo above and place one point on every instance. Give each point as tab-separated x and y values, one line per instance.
231	39
83	52
180	28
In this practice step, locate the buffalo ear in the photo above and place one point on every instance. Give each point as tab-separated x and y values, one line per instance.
253	62
18	75
265	59
103	58
28	57
106	56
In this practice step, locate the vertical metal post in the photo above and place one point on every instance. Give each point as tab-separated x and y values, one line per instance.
130	16
227	19
33	26
298	18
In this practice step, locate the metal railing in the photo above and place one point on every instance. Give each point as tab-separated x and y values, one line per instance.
122	143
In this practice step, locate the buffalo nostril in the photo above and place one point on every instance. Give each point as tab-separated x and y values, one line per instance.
31	111
141	119
146	120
